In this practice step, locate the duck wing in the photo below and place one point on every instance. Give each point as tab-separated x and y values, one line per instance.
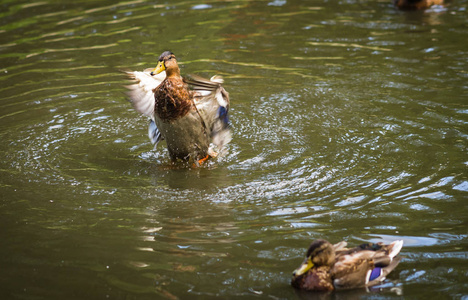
385	261
212	103
341	246
141	95
141	92
365	265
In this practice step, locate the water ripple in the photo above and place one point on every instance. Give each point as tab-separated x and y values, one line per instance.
346	126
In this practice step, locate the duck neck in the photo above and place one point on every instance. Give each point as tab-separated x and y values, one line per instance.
173	72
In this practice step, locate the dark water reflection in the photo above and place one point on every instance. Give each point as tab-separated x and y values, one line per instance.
349	122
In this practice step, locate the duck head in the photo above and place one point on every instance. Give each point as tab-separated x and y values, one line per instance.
167	62
320	253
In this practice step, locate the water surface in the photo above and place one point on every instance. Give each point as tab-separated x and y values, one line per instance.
349	123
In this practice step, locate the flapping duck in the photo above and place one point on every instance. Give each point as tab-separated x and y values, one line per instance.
190	114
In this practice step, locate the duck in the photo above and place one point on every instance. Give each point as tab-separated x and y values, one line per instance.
329	267
416	4
190	113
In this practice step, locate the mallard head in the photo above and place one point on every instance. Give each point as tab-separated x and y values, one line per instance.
320	253
166	62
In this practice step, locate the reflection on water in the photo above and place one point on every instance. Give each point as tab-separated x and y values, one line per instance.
349	123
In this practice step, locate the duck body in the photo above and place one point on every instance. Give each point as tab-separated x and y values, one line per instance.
186	138
177	119
328	267
190	120
416	4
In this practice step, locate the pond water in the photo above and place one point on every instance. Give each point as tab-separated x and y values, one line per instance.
349	122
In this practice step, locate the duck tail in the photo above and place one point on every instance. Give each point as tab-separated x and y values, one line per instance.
395	248
378	274
385	264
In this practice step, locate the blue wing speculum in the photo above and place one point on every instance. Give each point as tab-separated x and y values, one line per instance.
223	116
154	134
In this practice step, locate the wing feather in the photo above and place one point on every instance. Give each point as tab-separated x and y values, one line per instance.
354	267
212	102
141	92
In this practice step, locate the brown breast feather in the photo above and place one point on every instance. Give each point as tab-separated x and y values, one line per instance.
316	279
172	99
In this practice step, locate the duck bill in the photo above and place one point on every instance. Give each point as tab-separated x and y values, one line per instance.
159	68
305	266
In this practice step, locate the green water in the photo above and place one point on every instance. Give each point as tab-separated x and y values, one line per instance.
349	122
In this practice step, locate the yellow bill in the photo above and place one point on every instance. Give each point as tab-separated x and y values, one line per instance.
306	266
159	68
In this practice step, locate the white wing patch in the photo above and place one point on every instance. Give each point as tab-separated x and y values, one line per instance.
141	93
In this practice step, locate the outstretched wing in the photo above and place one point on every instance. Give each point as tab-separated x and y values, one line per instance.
212	102
141	92
142	97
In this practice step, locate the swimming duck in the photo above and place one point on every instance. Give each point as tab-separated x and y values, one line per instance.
416	4
191	114
328	267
